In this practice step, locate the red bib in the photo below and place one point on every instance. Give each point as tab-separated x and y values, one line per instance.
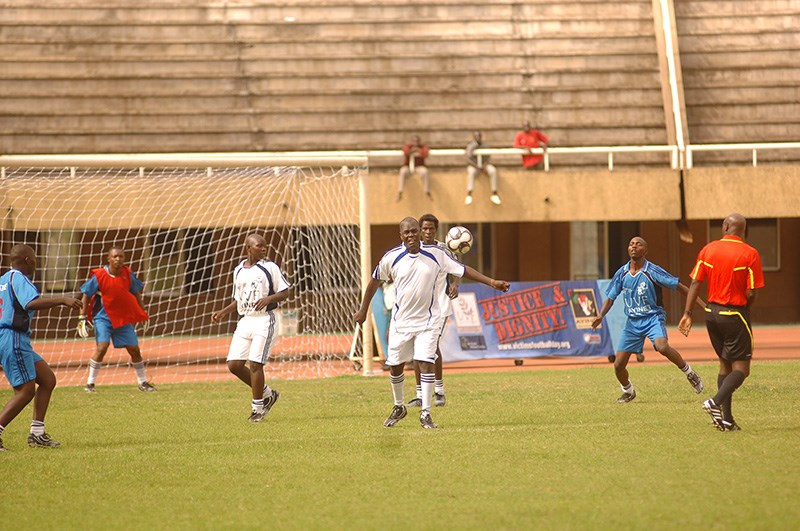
118	301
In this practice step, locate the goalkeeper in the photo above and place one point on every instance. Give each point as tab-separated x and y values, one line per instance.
112	301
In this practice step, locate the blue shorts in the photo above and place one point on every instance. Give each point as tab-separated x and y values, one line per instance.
123	336
17	357
638	328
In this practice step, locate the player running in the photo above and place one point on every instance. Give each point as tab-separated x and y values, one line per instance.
26	371
640	281
429	224
417	272
258	287
112	302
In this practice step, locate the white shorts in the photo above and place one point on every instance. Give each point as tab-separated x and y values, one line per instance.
253	339
407	346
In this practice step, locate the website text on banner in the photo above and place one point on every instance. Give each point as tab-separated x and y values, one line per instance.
533	319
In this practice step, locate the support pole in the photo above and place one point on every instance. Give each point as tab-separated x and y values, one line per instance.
366	266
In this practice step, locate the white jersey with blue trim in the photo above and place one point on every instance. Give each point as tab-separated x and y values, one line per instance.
419	281
641	292
256	282
445	302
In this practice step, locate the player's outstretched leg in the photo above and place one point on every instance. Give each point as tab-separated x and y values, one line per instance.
663	347
427	379
399	411
417	400
138	367
438	384
258	404
46	383
621	372
238	369
23	394
96	363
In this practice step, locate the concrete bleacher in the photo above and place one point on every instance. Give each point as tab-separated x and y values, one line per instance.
740	73
100	76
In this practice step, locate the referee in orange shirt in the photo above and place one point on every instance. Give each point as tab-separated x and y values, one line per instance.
733	271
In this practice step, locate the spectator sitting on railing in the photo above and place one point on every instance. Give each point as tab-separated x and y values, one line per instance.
414	155
477	165
530	138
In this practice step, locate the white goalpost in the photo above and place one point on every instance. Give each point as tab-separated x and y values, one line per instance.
182	221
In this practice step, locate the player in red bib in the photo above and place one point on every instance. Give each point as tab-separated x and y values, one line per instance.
112	301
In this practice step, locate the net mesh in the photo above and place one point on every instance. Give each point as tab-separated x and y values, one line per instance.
183	232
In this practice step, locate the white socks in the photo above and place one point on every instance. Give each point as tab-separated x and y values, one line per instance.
427	379
94	368
37	427
139	368
397	388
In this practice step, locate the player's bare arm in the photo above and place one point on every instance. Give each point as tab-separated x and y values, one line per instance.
685	291
452	292
42	303
84	306
263	302
361	315
751	297
217	316
685	324
603	311
477	276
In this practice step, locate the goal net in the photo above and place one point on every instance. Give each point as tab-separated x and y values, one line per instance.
183	231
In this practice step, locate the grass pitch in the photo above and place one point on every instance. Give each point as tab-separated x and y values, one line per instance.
526	449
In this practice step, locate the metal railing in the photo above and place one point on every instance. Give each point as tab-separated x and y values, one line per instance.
753	147
355	158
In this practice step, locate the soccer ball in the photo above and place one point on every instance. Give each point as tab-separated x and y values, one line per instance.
459	239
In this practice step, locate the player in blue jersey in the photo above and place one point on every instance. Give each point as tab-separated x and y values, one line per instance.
29	375
419	275
640	282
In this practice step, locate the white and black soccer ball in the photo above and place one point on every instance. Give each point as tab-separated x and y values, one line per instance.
459	239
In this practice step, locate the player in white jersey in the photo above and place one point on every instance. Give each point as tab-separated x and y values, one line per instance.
417	273
258	287
428	225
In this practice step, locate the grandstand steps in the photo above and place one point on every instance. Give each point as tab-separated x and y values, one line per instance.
551	101
312	82
422	64
341	32
285	122
740	72
596	46
245	68
169	139
317	12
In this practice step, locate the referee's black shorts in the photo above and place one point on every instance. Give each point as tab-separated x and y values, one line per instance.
730	331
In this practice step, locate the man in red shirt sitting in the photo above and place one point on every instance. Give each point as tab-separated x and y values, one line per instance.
530	138
414	155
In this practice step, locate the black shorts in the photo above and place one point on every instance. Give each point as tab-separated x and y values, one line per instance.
730	331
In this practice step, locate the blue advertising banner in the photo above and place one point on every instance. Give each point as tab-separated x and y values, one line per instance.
533	319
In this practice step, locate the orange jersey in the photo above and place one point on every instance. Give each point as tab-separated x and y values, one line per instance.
732	268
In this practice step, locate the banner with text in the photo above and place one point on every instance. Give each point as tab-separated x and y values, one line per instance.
533	319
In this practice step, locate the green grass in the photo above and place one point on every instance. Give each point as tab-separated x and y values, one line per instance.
526	449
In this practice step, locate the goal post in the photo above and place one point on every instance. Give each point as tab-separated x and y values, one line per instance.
182	220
